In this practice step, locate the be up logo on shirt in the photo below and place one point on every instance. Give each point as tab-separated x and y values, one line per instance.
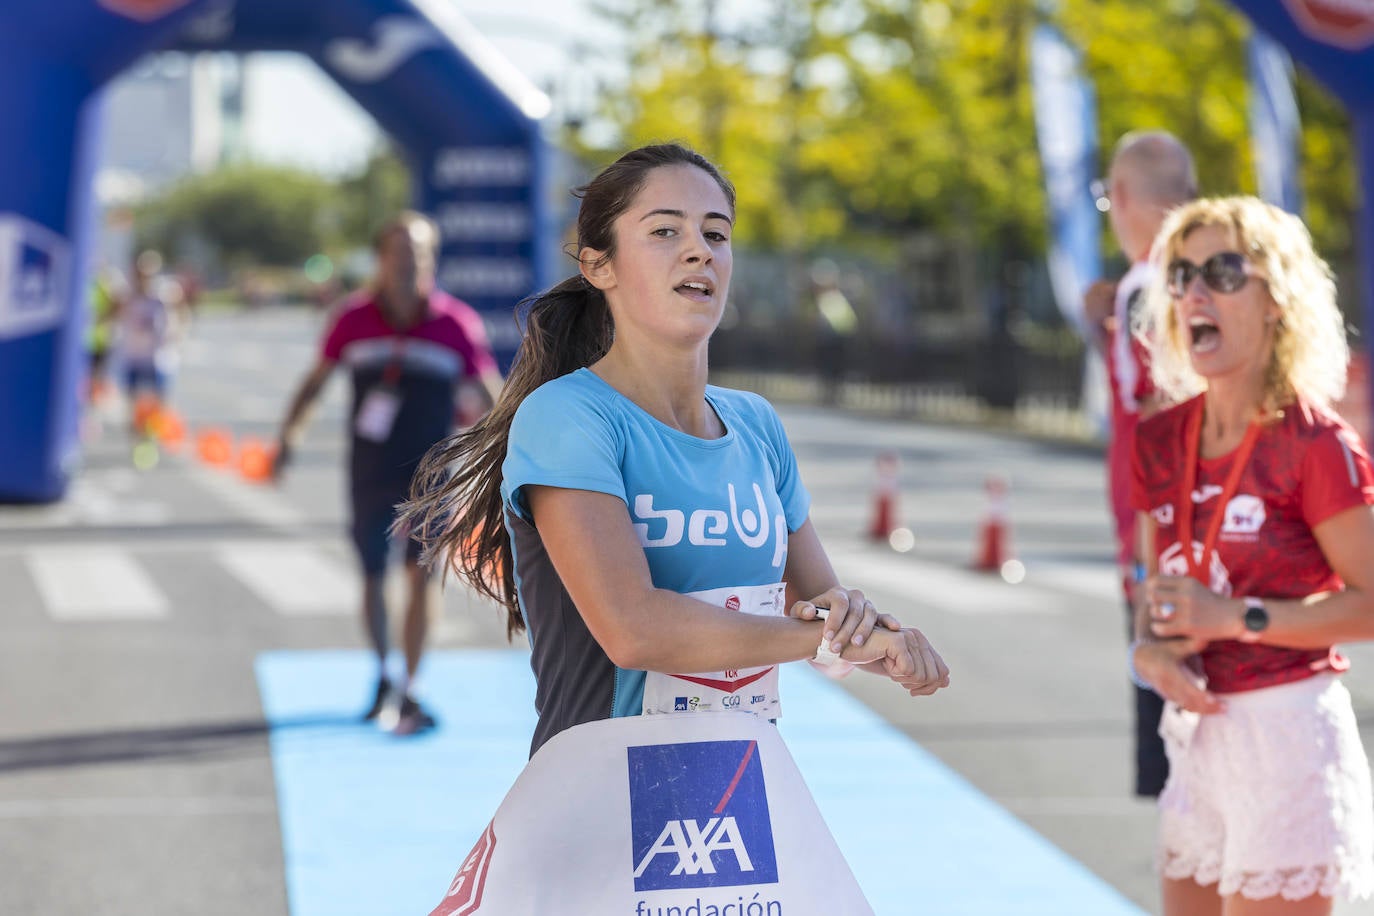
699	816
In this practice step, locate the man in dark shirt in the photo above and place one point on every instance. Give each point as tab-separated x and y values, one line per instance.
410	350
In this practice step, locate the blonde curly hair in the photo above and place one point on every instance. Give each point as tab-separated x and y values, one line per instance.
1310	352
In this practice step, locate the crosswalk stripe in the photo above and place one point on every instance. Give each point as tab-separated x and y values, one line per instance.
94	583
293	579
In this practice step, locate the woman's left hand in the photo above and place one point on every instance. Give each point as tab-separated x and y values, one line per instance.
1183	606
932	673
851	618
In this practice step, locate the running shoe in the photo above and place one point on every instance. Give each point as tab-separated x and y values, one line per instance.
379	702
413	718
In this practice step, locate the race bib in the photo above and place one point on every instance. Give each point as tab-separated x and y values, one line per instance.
377	414
733	690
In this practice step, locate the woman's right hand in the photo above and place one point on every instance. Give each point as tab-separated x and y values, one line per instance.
904	655
1164	665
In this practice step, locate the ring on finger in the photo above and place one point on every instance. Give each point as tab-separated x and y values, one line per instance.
1166	610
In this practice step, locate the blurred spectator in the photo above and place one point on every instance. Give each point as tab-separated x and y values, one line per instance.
104	297
410	349
836	324
150	321
1151	173
1255	524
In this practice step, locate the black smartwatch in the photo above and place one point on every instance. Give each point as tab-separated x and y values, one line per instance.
1256	620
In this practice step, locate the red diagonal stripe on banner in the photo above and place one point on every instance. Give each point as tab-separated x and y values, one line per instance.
739	774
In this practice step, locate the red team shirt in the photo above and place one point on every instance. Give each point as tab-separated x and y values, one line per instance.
1305	468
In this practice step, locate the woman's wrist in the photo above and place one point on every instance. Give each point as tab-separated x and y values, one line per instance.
1131	668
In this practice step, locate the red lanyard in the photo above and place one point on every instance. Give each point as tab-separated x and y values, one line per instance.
392	373
1185	504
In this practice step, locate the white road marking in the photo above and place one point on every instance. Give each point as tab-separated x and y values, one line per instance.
294	579
94	583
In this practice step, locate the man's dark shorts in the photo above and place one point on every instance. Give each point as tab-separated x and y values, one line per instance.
373	515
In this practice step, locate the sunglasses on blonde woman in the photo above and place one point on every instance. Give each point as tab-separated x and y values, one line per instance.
1223	272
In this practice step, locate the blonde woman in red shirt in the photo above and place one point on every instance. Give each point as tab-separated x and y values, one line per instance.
1254	506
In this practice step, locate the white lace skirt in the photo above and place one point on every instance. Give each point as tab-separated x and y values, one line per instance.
1270	798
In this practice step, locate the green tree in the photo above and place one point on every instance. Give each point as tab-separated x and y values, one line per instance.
1195	85
856	121
249	214
750	94
371	195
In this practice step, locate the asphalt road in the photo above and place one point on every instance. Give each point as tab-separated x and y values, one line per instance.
135	774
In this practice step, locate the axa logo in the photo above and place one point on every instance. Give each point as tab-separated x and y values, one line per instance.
699	816
398	38
1173	562
1244	515
747	524
692	844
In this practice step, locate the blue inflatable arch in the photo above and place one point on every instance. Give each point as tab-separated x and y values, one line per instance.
466	120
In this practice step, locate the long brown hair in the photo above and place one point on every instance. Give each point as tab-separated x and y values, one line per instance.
455	508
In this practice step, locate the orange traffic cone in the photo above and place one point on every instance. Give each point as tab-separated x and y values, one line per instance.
99	390
214	447
885	497
169	429
146	407
255	460
994	538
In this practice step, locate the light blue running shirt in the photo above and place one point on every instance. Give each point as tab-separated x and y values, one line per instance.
710	513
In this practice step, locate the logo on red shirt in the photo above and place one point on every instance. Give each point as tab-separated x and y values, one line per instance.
1244	516
1206	492
1172	562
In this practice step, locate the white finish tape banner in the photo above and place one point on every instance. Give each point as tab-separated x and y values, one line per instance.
696	814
